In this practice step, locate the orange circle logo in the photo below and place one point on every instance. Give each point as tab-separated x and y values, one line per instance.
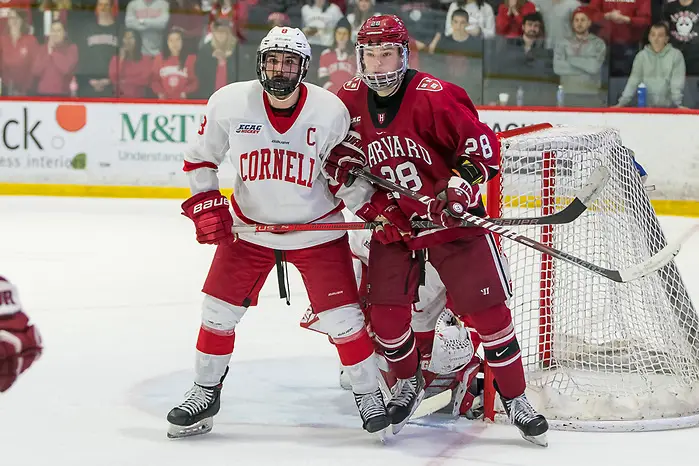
71	118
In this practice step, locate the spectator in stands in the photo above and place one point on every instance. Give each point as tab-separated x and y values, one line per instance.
338	63
659	66
186	15
578	61
362	10
50	11
319	19
480	16
174	76
233	11
622	26
556	14
278	18
54	63
130	72
511	14
461	52
215	66
17	50
98	43
149	18
683	18
24	6
527	54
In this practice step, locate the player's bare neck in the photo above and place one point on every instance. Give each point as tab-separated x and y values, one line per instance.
283	104
387	92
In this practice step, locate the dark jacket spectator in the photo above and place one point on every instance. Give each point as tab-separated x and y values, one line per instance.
130	71
55	62
215	66
97	44
683	18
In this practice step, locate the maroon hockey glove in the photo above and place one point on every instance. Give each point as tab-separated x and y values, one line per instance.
343	158
454	197
396	226
20	342
211	217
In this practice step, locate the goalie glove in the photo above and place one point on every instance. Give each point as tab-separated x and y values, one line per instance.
20	342
212	219
452	347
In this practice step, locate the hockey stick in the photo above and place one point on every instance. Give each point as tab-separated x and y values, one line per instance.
650	265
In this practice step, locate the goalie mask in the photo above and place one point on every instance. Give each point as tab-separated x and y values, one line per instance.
282	61
382	52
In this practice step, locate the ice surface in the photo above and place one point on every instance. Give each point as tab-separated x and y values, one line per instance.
114	284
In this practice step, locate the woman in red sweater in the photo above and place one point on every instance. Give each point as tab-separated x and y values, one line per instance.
508	22
55	62
130	72
17	51
173	70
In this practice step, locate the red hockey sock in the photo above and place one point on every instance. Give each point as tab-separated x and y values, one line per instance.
391	325
355	348
215	342
501	348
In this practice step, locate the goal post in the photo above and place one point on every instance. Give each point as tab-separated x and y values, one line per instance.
597	355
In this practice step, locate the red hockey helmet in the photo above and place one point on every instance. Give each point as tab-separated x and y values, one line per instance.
375	38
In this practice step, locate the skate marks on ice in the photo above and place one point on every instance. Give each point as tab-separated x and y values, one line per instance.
288	394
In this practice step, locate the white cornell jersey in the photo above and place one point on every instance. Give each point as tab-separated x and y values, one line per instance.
278	176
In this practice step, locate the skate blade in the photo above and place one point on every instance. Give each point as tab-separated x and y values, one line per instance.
382	435
202	427
540	440
398	427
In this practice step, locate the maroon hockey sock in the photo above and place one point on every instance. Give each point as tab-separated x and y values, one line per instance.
501	348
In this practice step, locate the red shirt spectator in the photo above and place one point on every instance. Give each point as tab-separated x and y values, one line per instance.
130	72
17	51
508	22
55	62
186	15
231	10
9	5
622	22
174	76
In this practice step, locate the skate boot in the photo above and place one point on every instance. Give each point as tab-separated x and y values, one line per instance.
372	411
345	382
531	425
407	395
194	416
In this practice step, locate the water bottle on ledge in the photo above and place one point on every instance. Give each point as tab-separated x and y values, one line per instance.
641	95
520	96
560	96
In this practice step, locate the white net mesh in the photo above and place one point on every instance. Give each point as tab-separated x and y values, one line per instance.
593	349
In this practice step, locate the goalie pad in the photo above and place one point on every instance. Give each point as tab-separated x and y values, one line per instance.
452	348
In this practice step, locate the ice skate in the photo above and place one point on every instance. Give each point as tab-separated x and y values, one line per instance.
531	425
407	395
195	415
345	382
373	412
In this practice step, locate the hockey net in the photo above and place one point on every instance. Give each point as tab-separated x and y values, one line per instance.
597	354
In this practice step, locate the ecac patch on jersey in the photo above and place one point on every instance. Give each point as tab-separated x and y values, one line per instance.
248	128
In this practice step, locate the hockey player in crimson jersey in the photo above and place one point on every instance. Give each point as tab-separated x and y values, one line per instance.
424	134
276	131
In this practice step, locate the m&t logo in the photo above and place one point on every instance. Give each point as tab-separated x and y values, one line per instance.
159	128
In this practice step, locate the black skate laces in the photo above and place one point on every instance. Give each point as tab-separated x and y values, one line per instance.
198	399
406	391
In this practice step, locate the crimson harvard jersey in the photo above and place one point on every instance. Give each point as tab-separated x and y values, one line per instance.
417	136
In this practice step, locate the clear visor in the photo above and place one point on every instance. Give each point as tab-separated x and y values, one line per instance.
382	67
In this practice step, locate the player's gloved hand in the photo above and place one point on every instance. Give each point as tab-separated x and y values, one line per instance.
383	208
20	342
211	217
454	196
343	158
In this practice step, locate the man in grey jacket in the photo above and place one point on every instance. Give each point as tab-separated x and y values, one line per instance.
149	17
659	66
578	61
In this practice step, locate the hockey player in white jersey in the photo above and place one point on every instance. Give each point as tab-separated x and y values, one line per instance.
276	131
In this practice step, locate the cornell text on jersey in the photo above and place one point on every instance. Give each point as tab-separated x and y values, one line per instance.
277	164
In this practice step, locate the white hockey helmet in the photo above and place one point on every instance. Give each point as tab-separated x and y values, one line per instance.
283	40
